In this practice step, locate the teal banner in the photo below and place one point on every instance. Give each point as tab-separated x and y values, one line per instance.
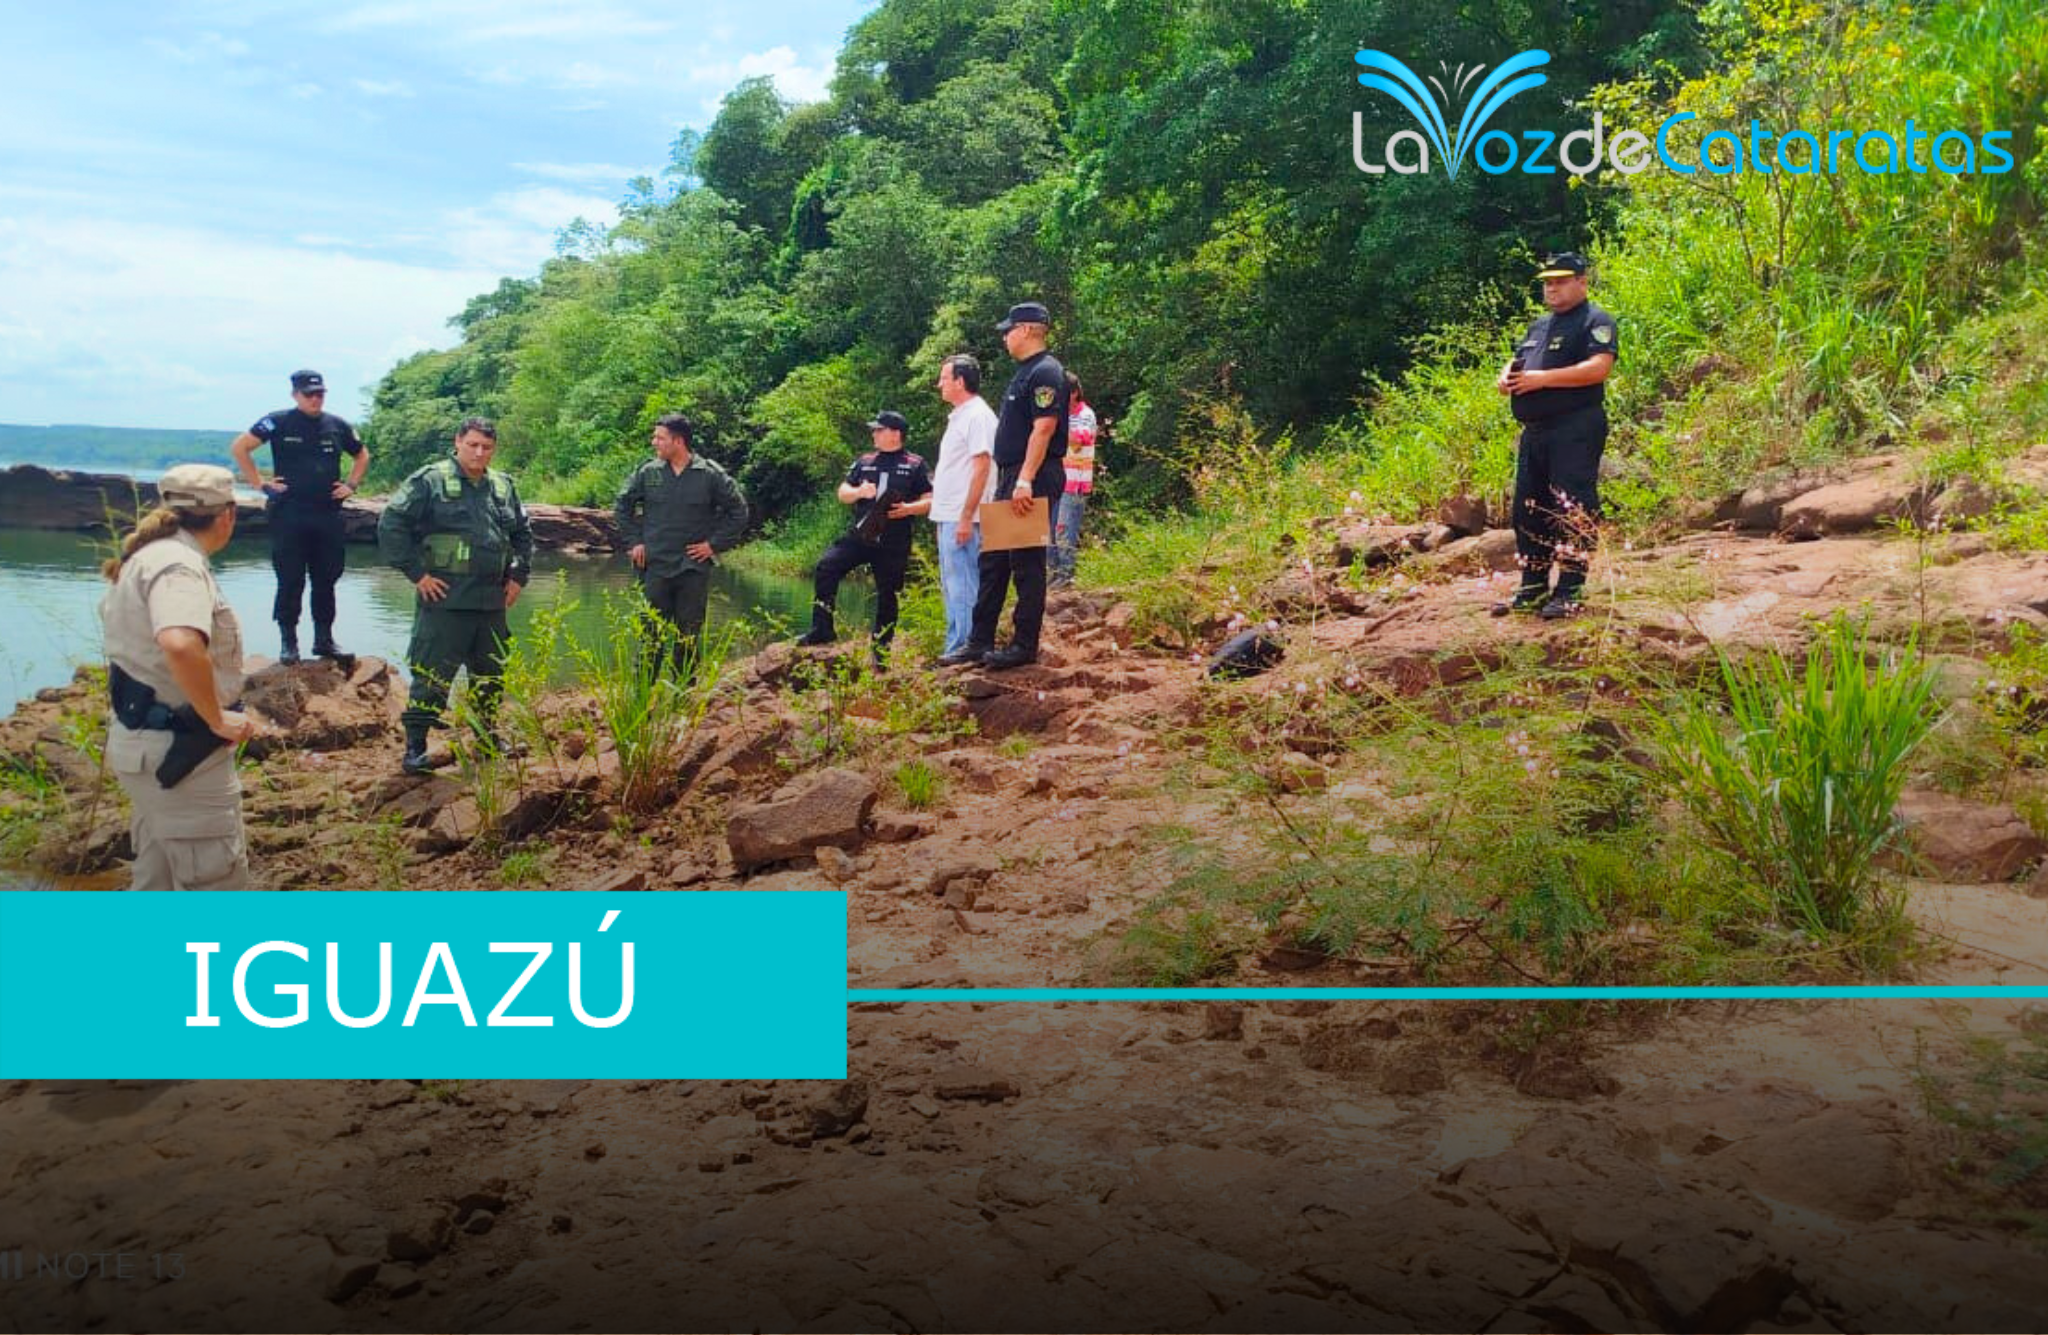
470	985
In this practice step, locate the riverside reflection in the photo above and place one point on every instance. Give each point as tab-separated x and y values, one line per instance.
50	590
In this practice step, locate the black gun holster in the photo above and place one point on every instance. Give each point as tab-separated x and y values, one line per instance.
136	705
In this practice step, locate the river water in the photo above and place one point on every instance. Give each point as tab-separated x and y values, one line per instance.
50	589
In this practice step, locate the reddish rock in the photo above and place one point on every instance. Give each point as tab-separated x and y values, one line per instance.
1886	491
1954	839
1466	516
1493	550
623	880
1374	545
827	808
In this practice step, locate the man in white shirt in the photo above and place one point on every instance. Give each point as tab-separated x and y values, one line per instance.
960	484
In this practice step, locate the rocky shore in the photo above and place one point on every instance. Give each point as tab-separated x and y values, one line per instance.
1276	1166
32	496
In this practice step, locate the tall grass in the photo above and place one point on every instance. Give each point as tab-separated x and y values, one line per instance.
647	712
1796	784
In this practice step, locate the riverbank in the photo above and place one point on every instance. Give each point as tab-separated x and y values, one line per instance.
1419	792
35	497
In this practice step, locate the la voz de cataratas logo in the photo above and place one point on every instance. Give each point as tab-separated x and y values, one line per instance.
1580	152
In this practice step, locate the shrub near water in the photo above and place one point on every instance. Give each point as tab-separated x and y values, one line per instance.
1796	784
648	713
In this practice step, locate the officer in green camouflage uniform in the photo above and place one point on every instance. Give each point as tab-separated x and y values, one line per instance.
457	531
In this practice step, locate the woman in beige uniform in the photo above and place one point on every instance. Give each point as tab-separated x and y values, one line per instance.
174	665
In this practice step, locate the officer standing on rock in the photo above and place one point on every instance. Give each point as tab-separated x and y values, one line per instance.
1030	450
888	486
174	670
456	529
1557	387
306	490
676	513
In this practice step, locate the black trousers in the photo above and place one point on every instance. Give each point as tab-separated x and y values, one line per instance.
681	599
1023	567
306	542
891	565
1557	498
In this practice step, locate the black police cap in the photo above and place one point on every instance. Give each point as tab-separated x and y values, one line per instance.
890	421
305	382
1024	312
1564	264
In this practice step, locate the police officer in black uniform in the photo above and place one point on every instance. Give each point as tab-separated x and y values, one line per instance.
888	488
1557	387
306	490
1030	455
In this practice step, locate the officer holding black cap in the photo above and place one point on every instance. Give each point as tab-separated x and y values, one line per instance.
1030	453
306	490
888	487
1557	387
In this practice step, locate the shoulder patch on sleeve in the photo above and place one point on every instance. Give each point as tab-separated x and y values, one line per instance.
1043	396
1603	333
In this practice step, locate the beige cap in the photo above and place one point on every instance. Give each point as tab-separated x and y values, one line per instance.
196	487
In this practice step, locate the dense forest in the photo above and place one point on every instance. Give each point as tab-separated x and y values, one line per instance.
1174	179
1271	328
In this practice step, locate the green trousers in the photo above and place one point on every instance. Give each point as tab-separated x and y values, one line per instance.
444	640
681	599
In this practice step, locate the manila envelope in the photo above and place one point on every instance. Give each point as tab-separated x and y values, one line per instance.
1003	530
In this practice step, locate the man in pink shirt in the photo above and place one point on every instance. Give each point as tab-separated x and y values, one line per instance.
1080	461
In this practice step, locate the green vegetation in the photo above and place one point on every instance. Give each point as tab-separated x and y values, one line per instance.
798	267
920	783
1795	780
1769	320
528	866
1995	1100
648	713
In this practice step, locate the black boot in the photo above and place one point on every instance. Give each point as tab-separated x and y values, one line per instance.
324	645
415	761
287	644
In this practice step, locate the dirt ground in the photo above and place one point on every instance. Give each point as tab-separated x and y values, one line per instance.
1065	1166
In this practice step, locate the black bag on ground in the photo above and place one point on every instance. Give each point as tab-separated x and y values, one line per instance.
1246	654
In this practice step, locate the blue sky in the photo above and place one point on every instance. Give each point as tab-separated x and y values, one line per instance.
198	196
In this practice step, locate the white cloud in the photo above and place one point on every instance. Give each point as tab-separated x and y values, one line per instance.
469	21
203	48
377	88
162	326
794	79
515	230
584	74
583	173
322	241
302	91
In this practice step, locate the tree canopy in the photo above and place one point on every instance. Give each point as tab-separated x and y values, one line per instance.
1173	177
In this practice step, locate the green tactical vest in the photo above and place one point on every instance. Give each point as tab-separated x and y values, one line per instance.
451	553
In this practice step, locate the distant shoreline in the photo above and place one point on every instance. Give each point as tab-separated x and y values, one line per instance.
42	496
